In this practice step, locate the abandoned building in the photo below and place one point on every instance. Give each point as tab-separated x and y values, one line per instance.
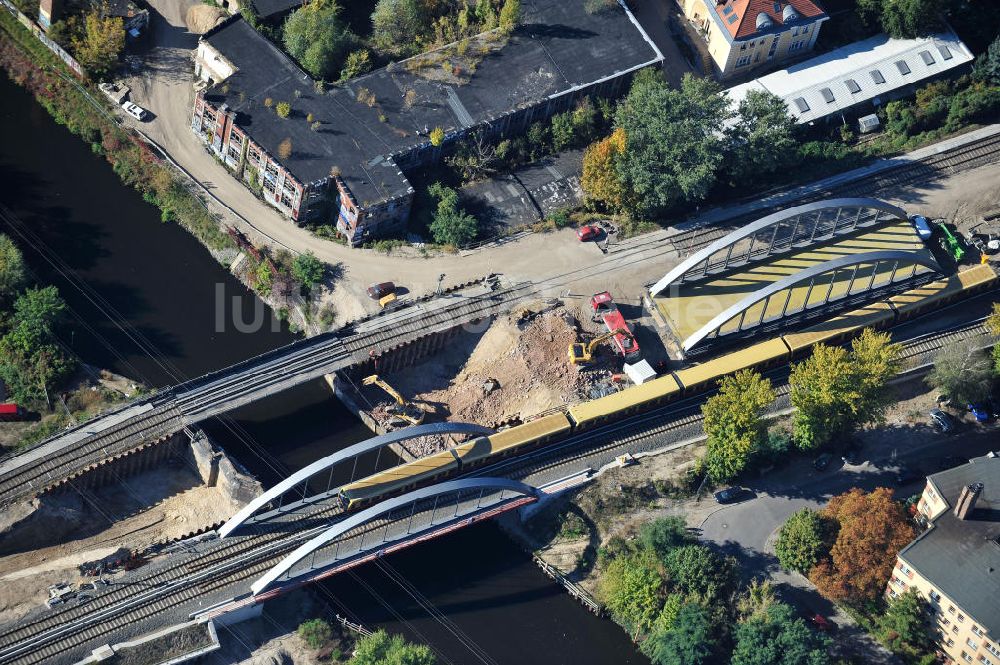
339	156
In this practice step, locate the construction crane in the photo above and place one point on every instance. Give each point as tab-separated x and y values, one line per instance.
584	353
402	409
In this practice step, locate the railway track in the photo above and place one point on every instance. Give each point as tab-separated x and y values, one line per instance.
190	403
970	156
229	563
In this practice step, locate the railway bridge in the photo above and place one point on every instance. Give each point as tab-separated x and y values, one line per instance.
170	410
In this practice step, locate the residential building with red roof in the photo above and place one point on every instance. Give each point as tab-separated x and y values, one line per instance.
743	35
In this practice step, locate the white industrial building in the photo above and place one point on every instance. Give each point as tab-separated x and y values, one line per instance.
861	75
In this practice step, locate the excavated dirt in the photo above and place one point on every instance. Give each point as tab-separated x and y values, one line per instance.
514	370
45	541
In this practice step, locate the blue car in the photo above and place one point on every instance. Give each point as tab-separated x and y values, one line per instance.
980	412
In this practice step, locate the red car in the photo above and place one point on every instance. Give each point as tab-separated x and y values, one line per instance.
820	623
588	232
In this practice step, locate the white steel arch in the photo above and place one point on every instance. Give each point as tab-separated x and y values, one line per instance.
302	476
804	223
811	274
381	508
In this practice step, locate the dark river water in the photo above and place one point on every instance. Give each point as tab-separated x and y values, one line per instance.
144	299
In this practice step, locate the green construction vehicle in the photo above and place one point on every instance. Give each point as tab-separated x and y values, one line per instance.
950	243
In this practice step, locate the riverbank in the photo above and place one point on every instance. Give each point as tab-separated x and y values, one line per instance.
81	109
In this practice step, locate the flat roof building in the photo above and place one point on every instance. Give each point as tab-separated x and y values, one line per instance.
361	136
955	562
866	73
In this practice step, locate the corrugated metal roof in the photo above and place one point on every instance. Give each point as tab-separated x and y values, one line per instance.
857	73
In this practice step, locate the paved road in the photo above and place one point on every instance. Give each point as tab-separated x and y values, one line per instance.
747	529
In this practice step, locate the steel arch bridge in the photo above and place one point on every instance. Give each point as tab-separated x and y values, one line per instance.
780	232
424	512
821	289
302	479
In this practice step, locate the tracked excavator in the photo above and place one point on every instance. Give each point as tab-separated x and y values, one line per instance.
402	409
584	353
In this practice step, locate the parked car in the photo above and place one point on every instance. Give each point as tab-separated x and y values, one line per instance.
588	232
980	412
135	111
381	290
942	420
822	461
923	226
819	622
852	456
728	495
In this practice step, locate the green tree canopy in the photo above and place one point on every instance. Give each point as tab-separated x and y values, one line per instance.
962	371
315	632
308	270
803	540
31	359
902	18
904	626
987	68
102	41
733	423
674	143
834	391
663	535
630	589
691	639
317	37
398	26
381	649
451	225
13	273
763	137
778	637
697	570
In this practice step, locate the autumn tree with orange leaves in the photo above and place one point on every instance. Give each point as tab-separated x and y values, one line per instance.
873	528
600	182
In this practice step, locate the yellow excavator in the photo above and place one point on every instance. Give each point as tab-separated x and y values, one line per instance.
402	409
584	353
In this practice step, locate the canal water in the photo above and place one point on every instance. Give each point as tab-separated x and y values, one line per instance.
145	300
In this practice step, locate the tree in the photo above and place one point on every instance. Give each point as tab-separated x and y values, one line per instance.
381	649
510	15
31	359
902	18
756	600
285	148
318	38
804	539
962	371
674	142
762	138
733	423
102	41
600	181
357	63
987	68
283	109
630	589
872	529
397	26
825	396
695	569
437	136
876	360
316	633
451	224
308	270
904	626
13	274
778	637
663	535
689	641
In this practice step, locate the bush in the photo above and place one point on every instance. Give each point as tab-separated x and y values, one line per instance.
283	109
316	633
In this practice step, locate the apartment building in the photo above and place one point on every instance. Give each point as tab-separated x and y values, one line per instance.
744	35
955	562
